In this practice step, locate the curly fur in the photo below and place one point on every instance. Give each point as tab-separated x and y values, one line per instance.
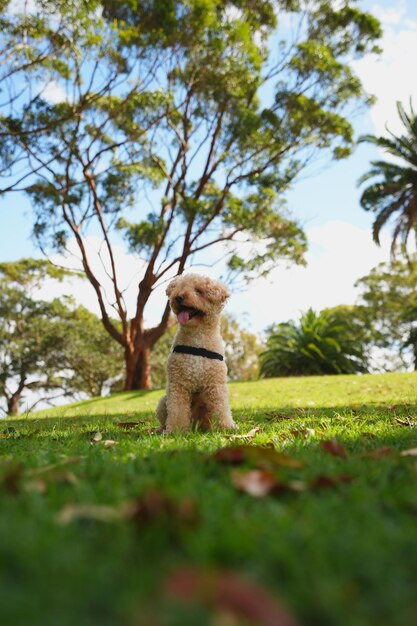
196	386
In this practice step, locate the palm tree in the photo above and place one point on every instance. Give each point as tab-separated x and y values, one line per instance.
321	343
393	192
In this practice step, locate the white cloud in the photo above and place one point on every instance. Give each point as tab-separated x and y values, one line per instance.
53	92
388	76
340	253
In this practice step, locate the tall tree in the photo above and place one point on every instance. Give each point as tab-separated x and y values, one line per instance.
162	136
320	343
389	298
52	348
392	194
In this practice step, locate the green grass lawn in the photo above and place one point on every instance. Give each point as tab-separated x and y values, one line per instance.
336	544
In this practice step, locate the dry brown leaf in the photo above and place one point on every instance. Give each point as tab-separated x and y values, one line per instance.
97	437
379	453
231	455
323	481
109	442
334	448
405	422
12	478
96	512
227	592
36	484
269	457
257	483
409	452
3	435
261	456
305	432
153	505
248	435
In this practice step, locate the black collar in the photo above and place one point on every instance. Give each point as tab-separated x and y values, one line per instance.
198	352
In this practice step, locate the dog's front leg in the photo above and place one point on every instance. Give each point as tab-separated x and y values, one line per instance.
218	409
178	409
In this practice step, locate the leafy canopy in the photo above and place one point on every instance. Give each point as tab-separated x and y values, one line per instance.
179	125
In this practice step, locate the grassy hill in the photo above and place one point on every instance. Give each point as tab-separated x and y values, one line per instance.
100	514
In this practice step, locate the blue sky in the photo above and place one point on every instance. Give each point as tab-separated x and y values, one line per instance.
326	202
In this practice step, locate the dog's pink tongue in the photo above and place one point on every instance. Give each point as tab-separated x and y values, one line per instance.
183	317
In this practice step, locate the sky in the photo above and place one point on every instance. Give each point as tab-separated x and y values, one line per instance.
326	203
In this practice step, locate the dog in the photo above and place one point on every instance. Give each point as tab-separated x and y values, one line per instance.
196	394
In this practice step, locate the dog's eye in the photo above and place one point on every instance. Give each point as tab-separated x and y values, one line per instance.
200	293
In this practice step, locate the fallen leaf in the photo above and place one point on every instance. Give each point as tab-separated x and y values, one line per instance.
227	592
405	422
37	484
109	442
248	435
334	448
153	505
323	481
12	479
269	457
97	437
96	512
231	455
261	456
257	483
409	452
379	453
3	435
304	432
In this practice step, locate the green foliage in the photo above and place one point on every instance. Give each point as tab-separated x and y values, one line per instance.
51	348
389	295
392	194
321	343
242	349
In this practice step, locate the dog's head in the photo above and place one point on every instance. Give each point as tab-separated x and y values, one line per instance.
194	298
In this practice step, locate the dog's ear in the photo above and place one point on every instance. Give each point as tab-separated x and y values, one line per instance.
171	286
217	292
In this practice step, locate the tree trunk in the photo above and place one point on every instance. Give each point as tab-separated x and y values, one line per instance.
138	369
13	405
142	378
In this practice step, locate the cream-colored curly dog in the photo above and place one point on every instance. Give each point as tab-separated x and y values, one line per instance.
196	371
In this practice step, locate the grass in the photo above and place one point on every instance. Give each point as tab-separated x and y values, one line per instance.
342	555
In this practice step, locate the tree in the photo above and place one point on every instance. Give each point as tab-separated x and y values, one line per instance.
321	343
163	108
93	362
392	193
50	348
242	349
389	298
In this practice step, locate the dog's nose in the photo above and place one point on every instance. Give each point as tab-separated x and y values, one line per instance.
179	299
